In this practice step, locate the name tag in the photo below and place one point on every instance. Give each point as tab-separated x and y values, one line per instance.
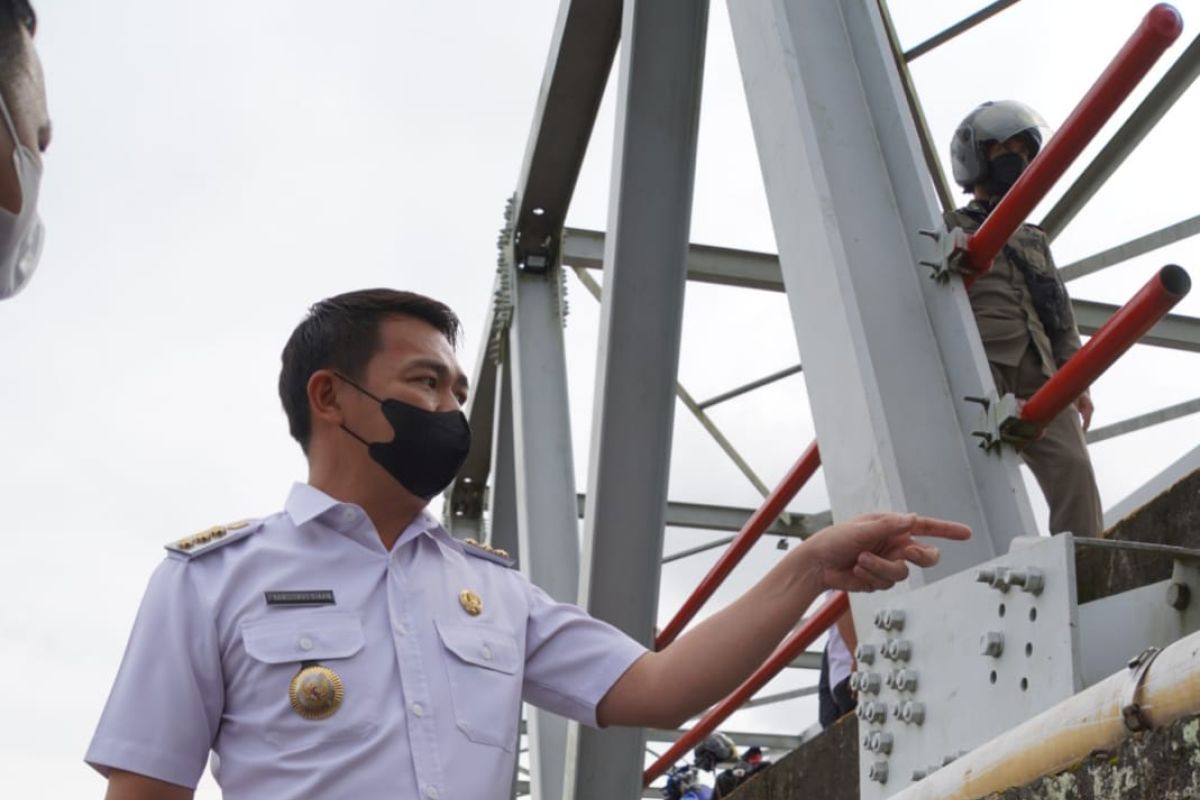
308	597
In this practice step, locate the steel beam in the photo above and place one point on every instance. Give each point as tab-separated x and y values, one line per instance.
766	380
748	269
1175	331
889	354
724	266
929	148
658	107
937	40
581	54
503	527
1143	421
1131	249
807	660
702	516
772	699
1164	94
465	498
547	526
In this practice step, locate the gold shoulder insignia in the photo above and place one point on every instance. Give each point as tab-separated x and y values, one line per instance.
488	553
210	539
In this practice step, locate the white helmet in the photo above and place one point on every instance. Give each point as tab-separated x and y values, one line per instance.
992	122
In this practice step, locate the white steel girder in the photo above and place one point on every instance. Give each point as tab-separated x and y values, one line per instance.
547	526
662	60
889	354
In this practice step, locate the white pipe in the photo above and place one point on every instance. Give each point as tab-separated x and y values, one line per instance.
1066	733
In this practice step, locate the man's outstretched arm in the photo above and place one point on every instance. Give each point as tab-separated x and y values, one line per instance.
867	553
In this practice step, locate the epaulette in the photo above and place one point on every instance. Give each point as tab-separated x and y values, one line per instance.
211	538
488	553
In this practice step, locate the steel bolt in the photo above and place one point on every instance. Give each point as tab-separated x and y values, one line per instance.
880	742
872	711
898	650
1179	595
904	680
985	575
878	771
879	620
865	653
1031	580
893	620
869	682
991	644
919	775
913	712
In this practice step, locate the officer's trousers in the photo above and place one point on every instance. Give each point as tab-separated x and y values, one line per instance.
1059	459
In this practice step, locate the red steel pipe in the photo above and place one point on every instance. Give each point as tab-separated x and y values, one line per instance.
794	645
1118	334
1159	28
750	533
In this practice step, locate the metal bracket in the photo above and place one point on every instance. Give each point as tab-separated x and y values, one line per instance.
1000	422
951	253
1131	710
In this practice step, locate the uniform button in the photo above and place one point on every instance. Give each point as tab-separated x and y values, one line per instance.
401	630
305	643
431	792
487	653
349	515
418	711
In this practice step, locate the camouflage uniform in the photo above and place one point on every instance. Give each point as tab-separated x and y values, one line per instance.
1022	355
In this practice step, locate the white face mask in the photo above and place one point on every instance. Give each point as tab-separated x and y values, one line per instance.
21	234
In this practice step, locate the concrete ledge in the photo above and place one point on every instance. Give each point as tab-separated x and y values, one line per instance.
1162	764
824	768
1171	518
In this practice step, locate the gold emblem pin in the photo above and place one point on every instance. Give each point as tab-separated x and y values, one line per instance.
316	692
470	602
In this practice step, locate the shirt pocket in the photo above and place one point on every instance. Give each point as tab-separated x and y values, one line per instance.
279	648
483	666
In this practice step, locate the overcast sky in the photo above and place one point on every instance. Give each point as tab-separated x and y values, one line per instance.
216	167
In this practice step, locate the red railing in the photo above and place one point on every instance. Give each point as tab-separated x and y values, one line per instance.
794	645
750	533
1159	28
1118	334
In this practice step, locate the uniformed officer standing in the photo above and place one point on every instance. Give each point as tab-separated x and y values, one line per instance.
349	647
1022	308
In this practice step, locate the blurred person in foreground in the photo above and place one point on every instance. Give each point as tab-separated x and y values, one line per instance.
24	136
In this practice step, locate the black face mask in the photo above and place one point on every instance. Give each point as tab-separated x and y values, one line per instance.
1003	171
428	449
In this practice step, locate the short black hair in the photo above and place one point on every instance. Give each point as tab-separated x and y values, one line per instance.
342	333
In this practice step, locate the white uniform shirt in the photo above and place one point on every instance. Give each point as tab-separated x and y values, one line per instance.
840	662
432	695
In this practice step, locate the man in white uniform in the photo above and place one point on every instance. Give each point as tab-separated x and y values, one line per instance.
349	647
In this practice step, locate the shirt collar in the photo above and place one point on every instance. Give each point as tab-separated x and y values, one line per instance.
305	503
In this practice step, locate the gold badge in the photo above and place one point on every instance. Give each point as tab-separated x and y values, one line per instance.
316	692
470	602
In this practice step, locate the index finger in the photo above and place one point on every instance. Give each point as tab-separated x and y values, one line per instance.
940	528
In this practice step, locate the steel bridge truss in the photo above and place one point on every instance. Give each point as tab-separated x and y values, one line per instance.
888	355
